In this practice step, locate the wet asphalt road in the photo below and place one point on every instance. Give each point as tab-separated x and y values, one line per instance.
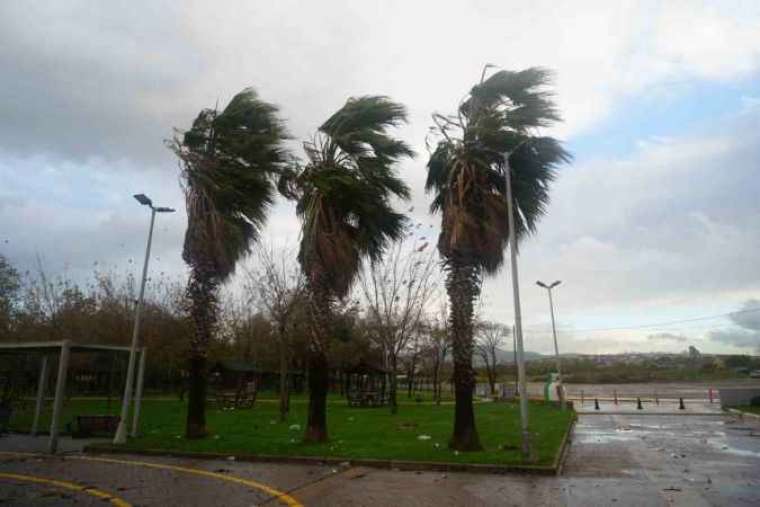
622	460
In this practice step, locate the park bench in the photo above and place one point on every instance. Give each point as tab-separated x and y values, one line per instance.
95	425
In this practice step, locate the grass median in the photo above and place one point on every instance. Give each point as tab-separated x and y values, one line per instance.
418	432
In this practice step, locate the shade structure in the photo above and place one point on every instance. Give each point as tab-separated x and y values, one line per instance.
64	349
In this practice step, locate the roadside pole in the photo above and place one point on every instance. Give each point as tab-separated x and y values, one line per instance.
522	387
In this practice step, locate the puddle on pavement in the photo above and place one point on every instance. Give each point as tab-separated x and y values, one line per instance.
725	448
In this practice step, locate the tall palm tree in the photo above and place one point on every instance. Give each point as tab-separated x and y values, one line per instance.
229	161
343	196
494	129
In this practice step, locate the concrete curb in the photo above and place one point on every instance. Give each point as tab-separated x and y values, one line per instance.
564	448
644	412
318	460
741	413
553	469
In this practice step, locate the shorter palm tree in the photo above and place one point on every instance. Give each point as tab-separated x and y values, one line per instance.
492	136
343	196
229	161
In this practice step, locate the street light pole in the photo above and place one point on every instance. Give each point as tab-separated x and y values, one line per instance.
522	386
121	431
554	333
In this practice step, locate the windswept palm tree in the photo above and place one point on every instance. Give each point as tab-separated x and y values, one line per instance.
343	196
494	129
229	161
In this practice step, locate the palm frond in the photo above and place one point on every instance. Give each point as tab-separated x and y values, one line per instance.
343	193
359	128
466	172
229	162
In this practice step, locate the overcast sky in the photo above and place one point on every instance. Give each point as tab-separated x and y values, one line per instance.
656	220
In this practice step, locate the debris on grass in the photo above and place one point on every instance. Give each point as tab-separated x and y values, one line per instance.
294	427
424	437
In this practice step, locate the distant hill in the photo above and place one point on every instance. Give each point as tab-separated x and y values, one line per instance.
507	356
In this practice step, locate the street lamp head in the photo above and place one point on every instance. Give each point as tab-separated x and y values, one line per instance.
555	284
165	210
541	284
143	199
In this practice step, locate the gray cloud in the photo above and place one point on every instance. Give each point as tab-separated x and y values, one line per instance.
748	316
89	91
746	332
677	219
668	337
737	337
80	81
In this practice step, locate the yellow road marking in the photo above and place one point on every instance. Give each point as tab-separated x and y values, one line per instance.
279	495
118	502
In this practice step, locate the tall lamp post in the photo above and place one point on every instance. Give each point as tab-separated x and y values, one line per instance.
554	332
521	386
121	432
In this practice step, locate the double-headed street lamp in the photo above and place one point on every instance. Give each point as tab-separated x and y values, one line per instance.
554	332
121	431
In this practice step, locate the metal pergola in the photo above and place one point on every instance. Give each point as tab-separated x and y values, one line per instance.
64	349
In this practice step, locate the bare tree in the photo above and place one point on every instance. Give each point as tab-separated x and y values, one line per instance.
490	337
396	291
437	345
277	283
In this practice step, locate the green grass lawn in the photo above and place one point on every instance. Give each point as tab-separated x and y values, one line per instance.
354	432
402	396
751	409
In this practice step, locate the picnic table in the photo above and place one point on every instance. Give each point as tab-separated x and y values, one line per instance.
367	399
239	398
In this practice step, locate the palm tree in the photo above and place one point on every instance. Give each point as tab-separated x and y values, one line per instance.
343	196
228	161
494	128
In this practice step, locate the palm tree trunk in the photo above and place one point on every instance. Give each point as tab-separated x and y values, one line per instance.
463	286
320	313
201	291
316	425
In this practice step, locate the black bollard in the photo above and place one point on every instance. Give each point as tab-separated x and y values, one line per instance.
596	403
638	404
680	404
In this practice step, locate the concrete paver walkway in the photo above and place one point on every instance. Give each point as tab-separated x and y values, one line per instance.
615	459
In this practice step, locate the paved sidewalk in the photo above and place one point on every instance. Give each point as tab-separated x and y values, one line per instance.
621	460
668	406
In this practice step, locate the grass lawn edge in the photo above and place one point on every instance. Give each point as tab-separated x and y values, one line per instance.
742	413
564	447
405	465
